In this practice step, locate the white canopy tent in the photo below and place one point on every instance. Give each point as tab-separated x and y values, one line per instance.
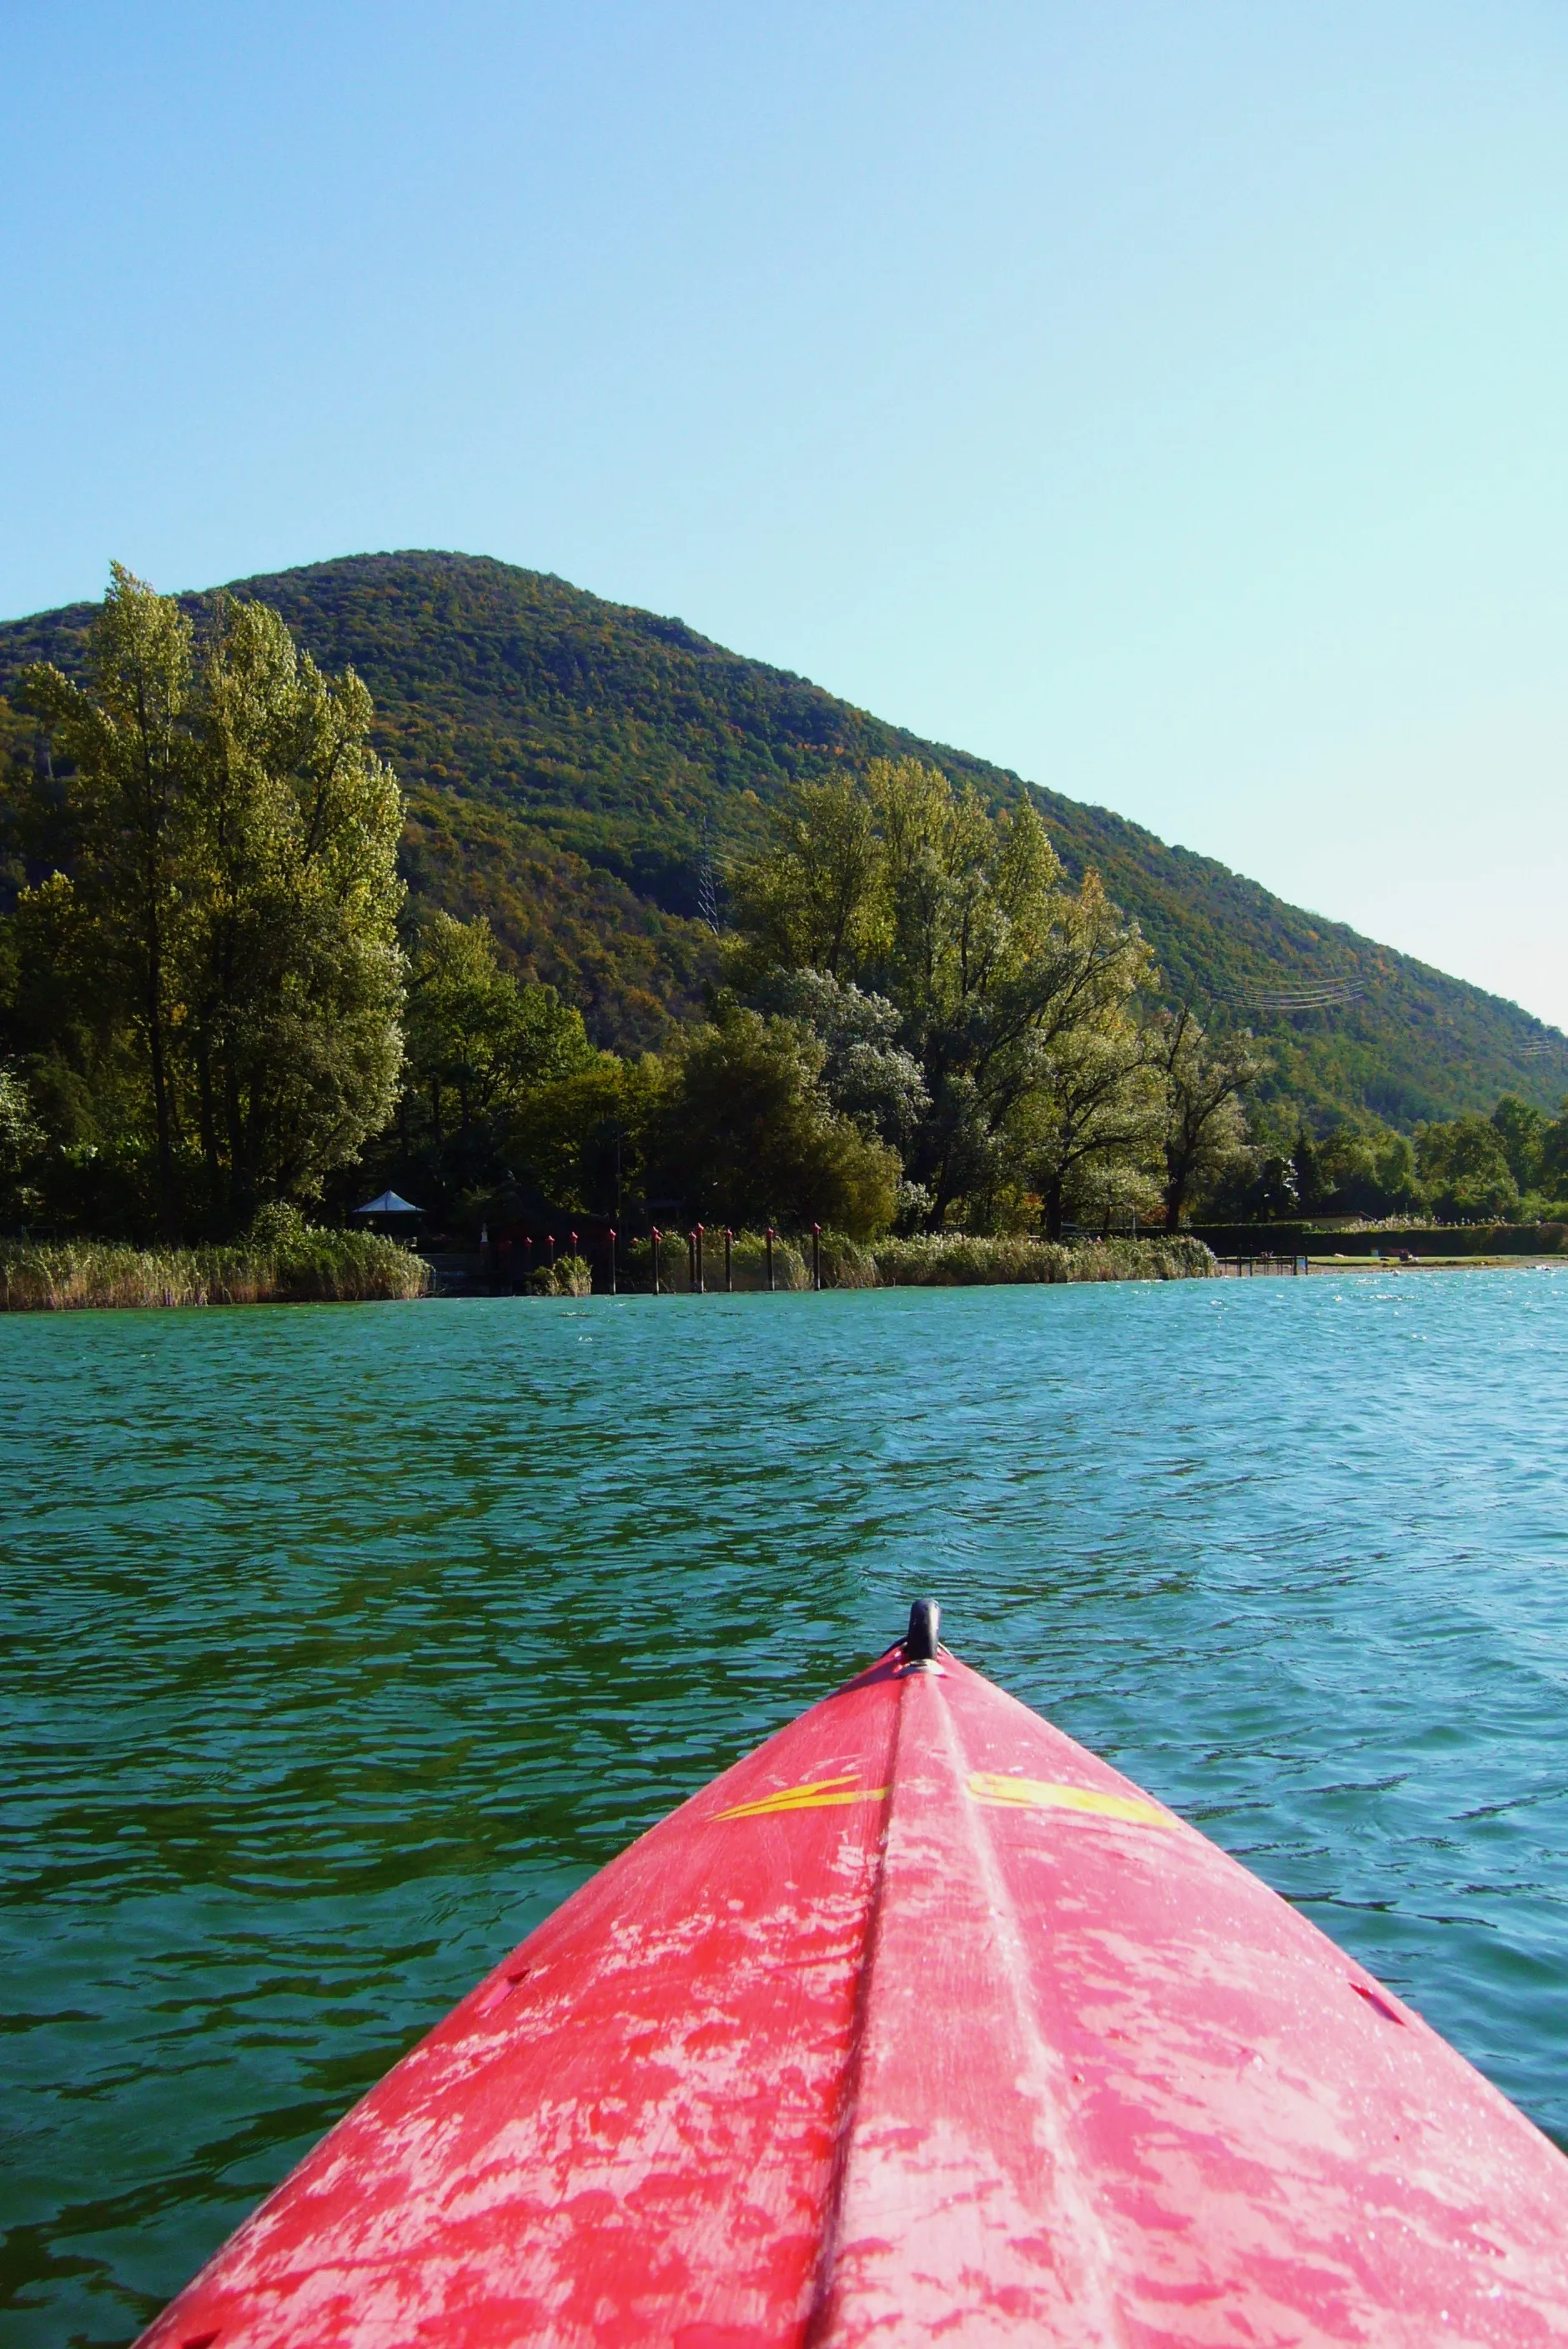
389	1204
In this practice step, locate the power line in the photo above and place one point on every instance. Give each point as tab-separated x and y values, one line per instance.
1300	995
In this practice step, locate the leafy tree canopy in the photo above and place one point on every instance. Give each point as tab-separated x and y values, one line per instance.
745	1133
1464	1171
906	892
212	981
479	1039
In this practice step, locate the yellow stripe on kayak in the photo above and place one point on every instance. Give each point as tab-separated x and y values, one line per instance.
1040	1794
819	1796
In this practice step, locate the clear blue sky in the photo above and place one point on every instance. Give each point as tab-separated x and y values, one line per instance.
1167	400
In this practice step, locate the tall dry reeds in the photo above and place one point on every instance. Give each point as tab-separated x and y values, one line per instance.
955	1260
310	1266
930	1261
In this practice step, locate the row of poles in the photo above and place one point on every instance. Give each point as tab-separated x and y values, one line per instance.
695	1260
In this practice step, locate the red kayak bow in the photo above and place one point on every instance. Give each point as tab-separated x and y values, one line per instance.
920	2023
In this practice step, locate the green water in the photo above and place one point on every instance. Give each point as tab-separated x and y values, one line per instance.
341	1642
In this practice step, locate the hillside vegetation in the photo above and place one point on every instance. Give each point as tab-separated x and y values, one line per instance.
586	775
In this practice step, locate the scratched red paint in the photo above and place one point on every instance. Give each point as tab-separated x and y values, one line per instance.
900	2032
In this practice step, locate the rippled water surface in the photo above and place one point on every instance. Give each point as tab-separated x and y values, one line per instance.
339	1643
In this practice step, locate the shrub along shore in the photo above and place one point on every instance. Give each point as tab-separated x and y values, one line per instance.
358	1267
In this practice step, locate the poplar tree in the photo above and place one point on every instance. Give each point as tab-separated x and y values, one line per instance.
129	737
1201	1080
230	896
294	976
963	920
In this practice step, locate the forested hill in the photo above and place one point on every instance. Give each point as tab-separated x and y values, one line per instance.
573	765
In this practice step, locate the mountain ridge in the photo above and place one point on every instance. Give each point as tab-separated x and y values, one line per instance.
573	766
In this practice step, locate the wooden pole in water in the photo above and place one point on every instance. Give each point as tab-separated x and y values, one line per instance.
657	1239
701	1283
768	1244
611	1259
729	1284
816	1256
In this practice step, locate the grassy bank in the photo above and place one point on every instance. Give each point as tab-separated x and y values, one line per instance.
308	1266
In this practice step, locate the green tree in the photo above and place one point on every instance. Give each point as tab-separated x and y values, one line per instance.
960	917
813	901
1311	1185
478	1039
1464	1171
1552	1171
1259	1186
228	920
746	1133
293	976
866	1073
84	1056
1107	1193
1366	1170
130	738
584	1139
1522	1130
1091	1123
1201	1080
21	1145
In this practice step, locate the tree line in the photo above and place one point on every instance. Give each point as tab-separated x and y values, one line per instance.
1510	1167
214	995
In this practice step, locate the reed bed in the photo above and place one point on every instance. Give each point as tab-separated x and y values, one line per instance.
71	1276
934	1260
955	1260
748	1263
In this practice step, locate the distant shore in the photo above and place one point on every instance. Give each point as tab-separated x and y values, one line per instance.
1432	1263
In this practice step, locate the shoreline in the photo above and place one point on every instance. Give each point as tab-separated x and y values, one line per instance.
1436	1264
360	1268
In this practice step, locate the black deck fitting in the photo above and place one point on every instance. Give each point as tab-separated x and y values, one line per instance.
919	1640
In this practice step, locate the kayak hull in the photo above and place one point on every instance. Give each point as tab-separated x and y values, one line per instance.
919	2023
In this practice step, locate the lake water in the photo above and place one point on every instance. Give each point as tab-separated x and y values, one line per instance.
341	1642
